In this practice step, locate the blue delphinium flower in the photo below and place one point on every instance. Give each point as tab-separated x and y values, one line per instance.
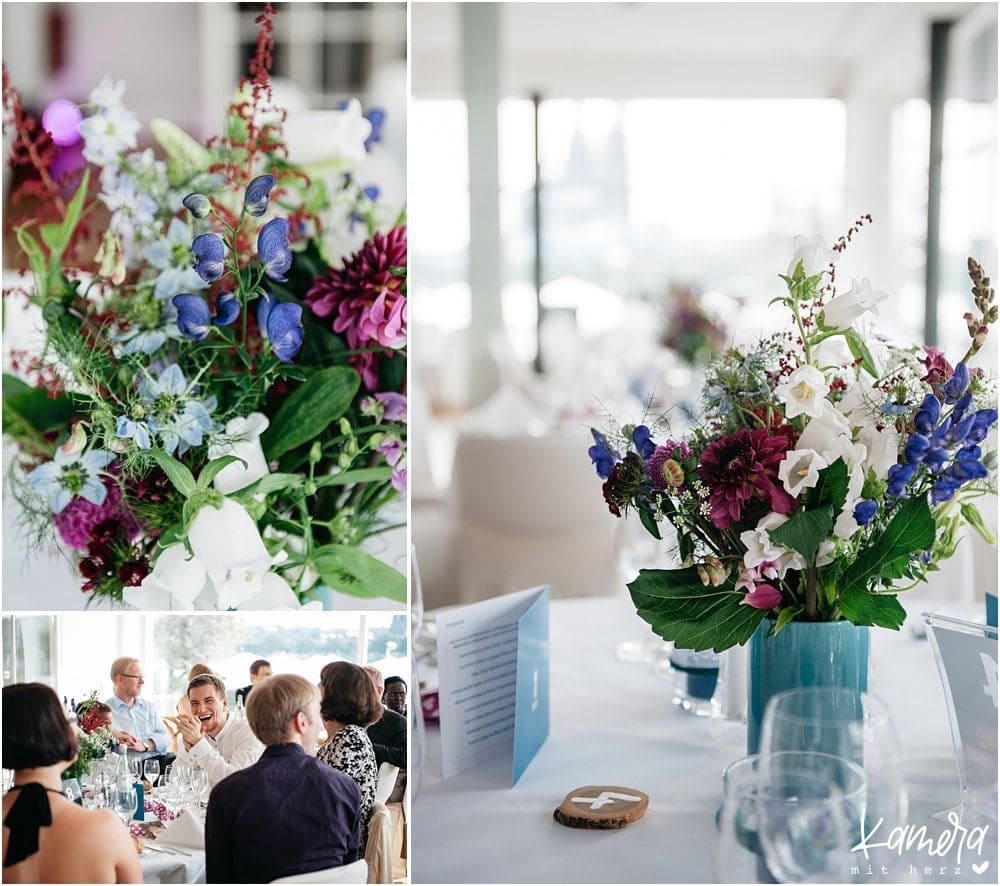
255	198
916	447
172	257
281	324
197	204
210	254
641	438
194	317
899	476
70	475
982	422
227	309
953	389
944	489
602	455
273	249
928	414
864	511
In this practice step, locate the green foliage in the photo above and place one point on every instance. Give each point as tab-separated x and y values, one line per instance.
352	571
881	610
308	411
805	531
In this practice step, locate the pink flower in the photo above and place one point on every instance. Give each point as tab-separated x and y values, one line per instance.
664	465
763	596
742	467
75	523
367	300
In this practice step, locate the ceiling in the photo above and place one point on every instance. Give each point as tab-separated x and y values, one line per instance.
688	49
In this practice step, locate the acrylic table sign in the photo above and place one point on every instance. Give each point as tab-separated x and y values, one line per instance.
966	655
493	682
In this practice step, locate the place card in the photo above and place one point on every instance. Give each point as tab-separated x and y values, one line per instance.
493	682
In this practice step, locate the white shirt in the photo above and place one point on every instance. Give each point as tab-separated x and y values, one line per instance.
235	747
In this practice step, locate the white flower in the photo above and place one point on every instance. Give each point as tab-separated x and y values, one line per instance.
107	93
176	582
825	553
759	546
843	310
804	392
833	352
242	439
800	470
108	134
324	136
814	255
827	434
72	474
277	594
883	449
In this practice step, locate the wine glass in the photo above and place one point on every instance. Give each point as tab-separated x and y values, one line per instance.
151	769
126	802
845	723
809	807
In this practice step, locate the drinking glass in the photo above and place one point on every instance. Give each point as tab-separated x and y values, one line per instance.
809	807
151	769
126	802
738	856
844	723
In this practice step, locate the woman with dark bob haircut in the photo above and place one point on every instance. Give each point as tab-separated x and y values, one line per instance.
46	838
350	703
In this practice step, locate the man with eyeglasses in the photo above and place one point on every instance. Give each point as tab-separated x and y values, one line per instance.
135	719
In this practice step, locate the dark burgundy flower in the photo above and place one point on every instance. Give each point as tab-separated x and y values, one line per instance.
624	484
367	300
132	572
741	468
153	487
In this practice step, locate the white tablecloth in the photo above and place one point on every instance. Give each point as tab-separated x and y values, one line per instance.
160	867
613	723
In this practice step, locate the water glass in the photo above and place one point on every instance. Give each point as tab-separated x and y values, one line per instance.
126	802
151	769
738	857
843	723
809	808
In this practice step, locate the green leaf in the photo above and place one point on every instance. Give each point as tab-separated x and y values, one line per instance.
909	531
177	473
974	517
805	531
36	258
211	470
880	610
649	522
50	234
72	218
27	407
185	156
310	408
786	615
680	608
859	350
352	571
361	475
831	488
272	483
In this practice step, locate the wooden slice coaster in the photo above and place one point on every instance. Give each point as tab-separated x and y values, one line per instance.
602	807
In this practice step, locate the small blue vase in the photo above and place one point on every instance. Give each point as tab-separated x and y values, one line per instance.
802	654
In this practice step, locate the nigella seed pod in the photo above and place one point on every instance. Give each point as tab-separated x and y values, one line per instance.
197	204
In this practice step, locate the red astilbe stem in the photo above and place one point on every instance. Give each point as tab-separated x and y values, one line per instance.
33	146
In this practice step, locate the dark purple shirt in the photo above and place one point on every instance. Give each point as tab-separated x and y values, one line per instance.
286	814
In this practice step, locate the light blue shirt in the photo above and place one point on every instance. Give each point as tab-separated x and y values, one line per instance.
140	720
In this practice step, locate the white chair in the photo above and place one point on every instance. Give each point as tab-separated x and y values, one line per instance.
529	512
386	781
355	872
378	849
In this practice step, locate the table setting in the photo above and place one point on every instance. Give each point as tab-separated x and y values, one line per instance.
830	714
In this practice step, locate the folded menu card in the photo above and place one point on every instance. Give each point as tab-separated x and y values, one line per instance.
493	673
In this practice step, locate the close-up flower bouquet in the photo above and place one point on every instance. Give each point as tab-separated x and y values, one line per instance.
831	469
215	413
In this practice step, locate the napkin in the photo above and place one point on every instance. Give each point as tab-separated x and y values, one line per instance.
186	832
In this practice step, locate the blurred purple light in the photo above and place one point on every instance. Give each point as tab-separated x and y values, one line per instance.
60	119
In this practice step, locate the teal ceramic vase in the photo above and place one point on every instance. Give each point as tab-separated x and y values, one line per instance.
802	654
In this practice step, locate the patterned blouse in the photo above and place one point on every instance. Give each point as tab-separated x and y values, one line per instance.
350	750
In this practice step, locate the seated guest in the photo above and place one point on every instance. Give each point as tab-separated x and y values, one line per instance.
183	705
395	695
46	838
141	730
350	704
259	670
213	739
288	813
388	734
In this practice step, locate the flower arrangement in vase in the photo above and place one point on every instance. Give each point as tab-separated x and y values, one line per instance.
690	330
216	417
830	469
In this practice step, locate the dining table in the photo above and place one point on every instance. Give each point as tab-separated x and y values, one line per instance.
614	722
171	867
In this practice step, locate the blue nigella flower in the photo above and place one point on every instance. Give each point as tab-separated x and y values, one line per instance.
644	445
197	204
916	446
281	324
272	247
70	475
193	316
172	256
953	389
928	414
210	252
256	196
140	429
864	511
890	408
899	476
602	455
168	407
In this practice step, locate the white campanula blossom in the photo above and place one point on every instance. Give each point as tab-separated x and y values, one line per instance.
814	254
800	470
71	474
804	392
340	136
760	548
242	439
842	311
172	256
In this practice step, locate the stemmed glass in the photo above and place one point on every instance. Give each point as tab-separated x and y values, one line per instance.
151	769
126	802
848	724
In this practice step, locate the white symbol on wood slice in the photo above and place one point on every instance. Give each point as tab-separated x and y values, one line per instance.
606	798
